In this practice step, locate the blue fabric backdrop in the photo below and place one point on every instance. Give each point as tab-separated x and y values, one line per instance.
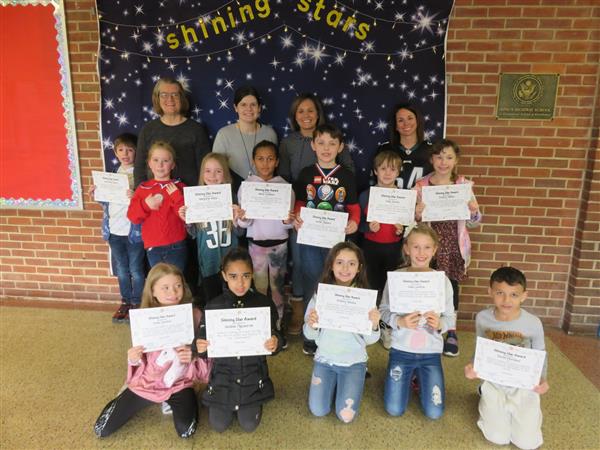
360	57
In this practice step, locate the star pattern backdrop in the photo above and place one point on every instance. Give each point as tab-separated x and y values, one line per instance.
360	57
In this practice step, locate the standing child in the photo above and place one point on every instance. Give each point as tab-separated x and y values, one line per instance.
329	186
454	254
238	386
216	237
163	375
341	357
267	239
510	414
155	205
124	238
417	339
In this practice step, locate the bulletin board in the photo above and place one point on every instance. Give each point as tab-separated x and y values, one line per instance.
39	166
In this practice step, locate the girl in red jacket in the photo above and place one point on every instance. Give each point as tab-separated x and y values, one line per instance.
155	204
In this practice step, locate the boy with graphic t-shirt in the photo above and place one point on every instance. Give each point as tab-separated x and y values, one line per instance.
508	414
328	186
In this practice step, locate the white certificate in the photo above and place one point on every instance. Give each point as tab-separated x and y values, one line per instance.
322	228
111	187
417	291
345	308
507	364
266	200
238	331
208	203
447	202
391	206
163	327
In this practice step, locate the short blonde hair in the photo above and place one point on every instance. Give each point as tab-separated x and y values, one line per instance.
222	160
156	273
185	104
388	157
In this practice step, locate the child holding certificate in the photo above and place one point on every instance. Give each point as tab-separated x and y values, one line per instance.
417	337
341	356
454	254
155	205
123	237
328	186
216	237
162	375
238	386
267	238
508	414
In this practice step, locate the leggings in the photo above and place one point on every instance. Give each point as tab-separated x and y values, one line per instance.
248	416
119	410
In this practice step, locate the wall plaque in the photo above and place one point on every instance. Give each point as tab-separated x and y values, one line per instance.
527	96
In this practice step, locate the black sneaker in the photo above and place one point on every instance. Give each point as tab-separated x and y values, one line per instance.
284	343
451	344
309	348
119	315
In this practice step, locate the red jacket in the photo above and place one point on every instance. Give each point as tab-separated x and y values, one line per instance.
162	226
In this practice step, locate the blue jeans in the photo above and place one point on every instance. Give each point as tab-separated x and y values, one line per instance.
428	369
346	382
313	259
175	254
128	265
297	282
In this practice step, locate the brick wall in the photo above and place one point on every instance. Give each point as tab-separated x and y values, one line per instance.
536	180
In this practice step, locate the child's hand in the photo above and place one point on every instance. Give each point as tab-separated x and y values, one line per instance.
419	210
134	354
298	223
184	353
399	229
313	318
473	207
154	201
470	372
290	219
91	191
409	320
237	212
433	319
182	212
130	194
541	388
202	345
374	317
374	226
170	188
271	344
351	227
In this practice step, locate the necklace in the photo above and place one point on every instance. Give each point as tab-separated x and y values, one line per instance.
246	148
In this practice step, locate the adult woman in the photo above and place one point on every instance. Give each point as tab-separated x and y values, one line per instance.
306	112
407	139
237	140
185	135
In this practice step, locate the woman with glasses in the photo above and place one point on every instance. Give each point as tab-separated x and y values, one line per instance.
185	135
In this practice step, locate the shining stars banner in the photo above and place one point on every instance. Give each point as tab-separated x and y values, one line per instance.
360	57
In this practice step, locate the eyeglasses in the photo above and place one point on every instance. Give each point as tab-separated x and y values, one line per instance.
166	95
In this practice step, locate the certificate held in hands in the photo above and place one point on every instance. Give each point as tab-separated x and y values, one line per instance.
208	203
446	202
417	292
508	365
344	308
163	327
237	331
391	206
322	228
266	200
111	187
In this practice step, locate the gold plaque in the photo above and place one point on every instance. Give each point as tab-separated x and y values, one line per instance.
527	96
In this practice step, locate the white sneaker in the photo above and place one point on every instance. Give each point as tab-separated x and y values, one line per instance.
386	338
166	408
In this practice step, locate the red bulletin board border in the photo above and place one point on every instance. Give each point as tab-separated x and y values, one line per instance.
39	165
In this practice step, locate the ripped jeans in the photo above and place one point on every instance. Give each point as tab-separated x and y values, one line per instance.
428	369
346	383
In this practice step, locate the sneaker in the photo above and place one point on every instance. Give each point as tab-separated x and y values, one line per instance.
126	318
284	343
451	344
414	384
386	338
119	315
166	408
309	348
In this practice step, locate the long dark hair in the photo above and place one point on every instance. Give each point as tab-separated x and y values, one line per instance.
360	280
394	135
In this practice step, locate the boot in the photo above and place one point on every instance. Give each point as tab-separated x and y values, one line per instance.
297	319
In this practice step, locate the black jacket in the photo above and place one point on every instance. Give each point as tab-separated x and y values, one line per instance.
239	381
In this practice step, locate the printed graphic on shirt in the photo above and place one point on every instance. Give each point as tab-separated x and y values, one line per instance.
509	337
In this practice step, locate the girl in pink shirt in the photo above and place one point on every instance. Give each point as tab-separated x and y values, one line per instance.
163	375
